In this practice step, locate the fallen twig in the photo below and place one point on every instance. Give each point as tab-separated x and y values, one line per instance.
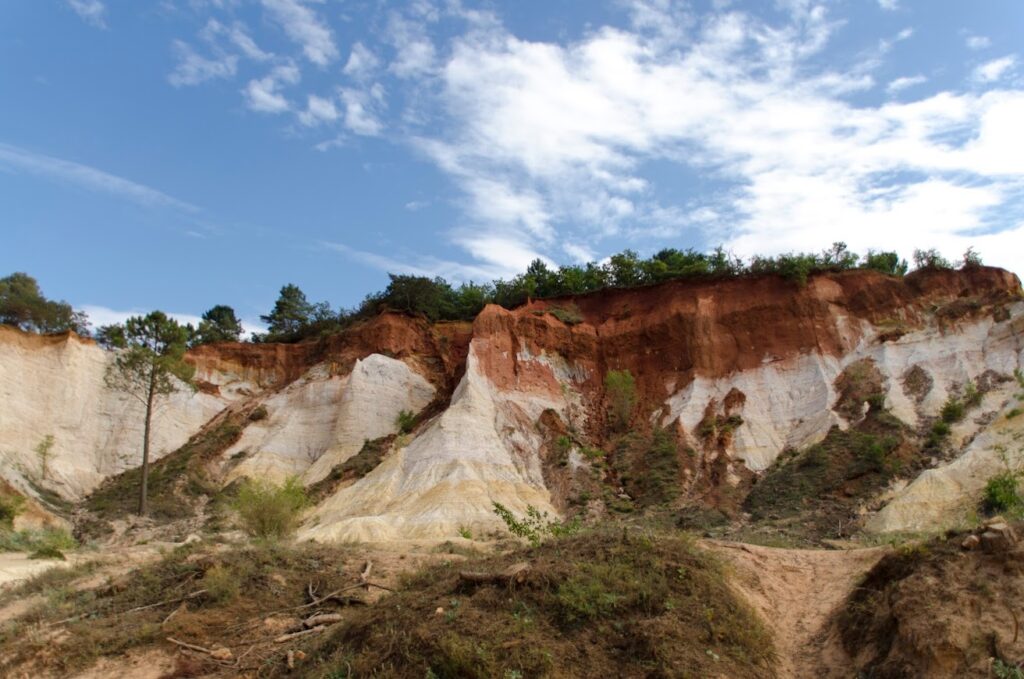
322	619
192	647
294	635
193	595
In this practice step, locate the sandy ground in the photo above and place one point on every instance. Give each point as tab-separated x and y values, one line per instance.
796	591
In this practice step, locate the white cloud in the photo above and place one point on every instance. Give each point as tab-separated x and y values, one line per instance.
415	53
978	42
238	35
263	94
361	62
359	110
301	24
900	84
92	12
889	5
193	68
992	71
549	142
423	266
90	178
318	110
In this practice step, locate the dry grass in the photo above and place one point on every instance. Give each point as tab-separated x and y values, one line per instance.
599	604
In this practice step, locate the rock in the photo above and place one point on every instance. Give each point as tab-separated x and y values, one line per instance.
192	537
439	611
221	653
998	538
970	542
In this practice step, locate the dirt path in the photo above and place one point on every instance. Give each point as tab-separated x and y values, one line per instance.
796	591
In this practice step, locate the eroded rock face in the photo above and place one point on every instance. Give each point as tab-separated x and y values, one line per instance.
53	386
771	364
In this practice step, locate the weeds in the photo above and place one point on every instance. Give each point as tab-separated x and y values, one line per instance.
270	511
1002	494
569	315
406	420
535	527
45	541
620	387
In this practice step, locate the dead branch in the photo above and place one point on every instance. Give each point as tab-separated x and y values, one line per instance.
294	635
191	647
365	575
193	595
514	574
322	619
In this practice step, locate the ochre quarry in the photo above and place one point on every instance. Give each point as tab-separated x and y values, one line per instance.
736	371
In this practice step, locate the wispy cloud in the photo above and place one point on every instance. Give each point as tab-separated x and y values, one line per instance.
889	5
92	12
978	42
423	266
263	94
900	84
301	24
992	71
23	160
193	68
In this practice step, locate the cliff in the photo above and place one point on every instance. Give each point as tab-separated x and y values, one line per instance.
771	359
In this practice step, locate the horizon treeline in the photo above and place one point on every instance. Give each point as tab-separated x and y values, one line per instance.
294	318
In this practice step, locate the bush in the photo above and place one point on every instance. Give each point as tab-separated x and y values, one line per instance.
621	390
406	420
44	542
569	315
535	527
221	584
930	259
953	410
1002	493
270	511
11	504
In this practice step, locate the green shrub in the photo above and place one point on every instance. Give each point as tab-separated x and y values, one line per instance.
270	511
45	541
1002	493
535	527
953	410
11	504
1013	413
221	584
930	259
569	315
406	420
621	390
1005	670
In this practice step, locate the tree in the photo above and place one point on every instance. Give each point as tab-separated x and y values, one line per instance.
219	324
23	305
886	262
930	259
291	313
149	365
972	258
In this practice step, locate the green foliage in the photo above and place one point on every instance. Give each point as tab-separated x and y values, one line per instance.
886	262
294	317
535	527
648	467
465	533
620	388
11	504
219	324
149	365
930	259
23	305
221	584
270	511
1002	493
971	258
569	315
44	541
406	420
953	410
1007	670
1013	413
43	451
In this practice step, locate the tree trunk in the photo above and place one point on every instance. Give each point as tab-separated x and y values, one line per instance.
144	486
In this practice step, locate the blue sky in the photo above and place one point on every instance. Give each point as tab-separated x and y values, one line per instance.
177	154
